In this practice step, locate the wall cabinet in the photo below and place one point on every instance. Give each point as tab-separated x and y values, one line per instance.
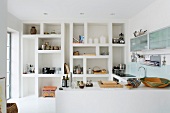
139	43
35	56
159	39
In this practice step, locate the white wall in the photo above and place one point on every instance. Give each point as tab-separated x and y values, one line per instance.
3	35
13	22
14	26
3	47
155	16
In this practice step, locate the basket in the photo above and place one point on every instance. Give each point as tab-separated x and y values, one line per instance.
12	108
155	82
97	70
48	91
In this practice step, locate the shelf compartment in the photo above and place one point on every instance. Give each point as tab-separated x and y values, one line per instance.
28	53
97	63
96	30
77	62
27	27
90	51
49	60
104	50
52	42
52	27
51	81
78	30
49	51
118	56
28	86
117	28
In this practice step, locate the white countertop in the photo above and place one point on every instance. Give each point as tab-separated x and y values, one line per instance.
97	88
113	100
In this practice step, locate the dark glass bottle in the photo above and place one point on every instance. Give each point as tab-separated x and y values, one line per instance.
67	81
64	82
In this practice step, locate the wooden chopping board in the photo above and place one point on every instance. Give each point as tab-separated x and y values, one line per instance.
109	82
109	85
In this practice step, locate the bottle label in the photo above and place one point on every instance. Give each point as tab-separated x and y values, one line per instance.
63	83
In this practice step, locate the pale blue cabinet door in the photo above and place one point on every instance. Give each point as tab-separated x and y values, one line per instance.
143	42
139	43
159	39
134	44
168	37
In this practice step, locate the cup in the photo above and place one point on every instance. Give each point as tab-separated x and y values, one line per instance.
43	47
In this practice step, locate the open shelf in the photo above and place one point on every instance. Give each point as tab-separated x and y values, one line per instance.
52	28
28	86
96	31
28	75
44	81
49	51
49	75
27	27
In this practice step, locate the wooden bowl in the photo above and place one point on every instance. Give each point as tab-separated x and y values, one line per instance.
155	82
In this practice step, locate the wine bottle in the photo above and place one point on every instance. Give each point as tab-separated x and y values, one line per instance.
67	81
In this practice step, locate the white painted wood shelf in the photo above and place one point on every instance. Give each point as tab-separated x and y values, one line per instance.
49	75
28	75
90	57
49	51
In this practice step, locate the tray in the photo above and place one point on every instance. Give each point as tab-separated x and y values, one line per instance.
109	86
109	83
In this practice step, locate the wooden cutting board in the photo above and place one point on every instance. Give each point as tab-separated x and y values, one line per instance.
109	82
110	85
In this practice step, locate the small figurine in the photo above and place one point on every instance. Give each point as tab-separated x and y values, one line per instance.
135	33
164	62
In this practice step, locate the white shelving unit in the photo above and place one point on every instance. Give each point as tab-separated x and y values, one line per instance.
33	54
102	54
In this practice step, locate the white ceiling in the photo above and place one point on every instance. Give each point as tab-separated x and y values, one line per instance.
71	9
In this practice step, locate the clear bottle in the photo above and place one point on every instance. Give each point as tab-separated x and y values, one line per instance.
89	71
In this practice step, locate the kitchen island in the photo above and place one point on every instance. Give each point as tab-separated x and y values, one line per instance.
114	100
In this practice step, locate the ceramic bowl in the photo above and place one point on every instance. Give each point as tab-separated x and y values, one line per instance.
155	82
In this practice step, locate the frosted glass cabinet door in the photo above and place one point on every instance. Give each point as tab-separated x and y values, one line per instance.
133	44
139	43
159	39
168	37
143	42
